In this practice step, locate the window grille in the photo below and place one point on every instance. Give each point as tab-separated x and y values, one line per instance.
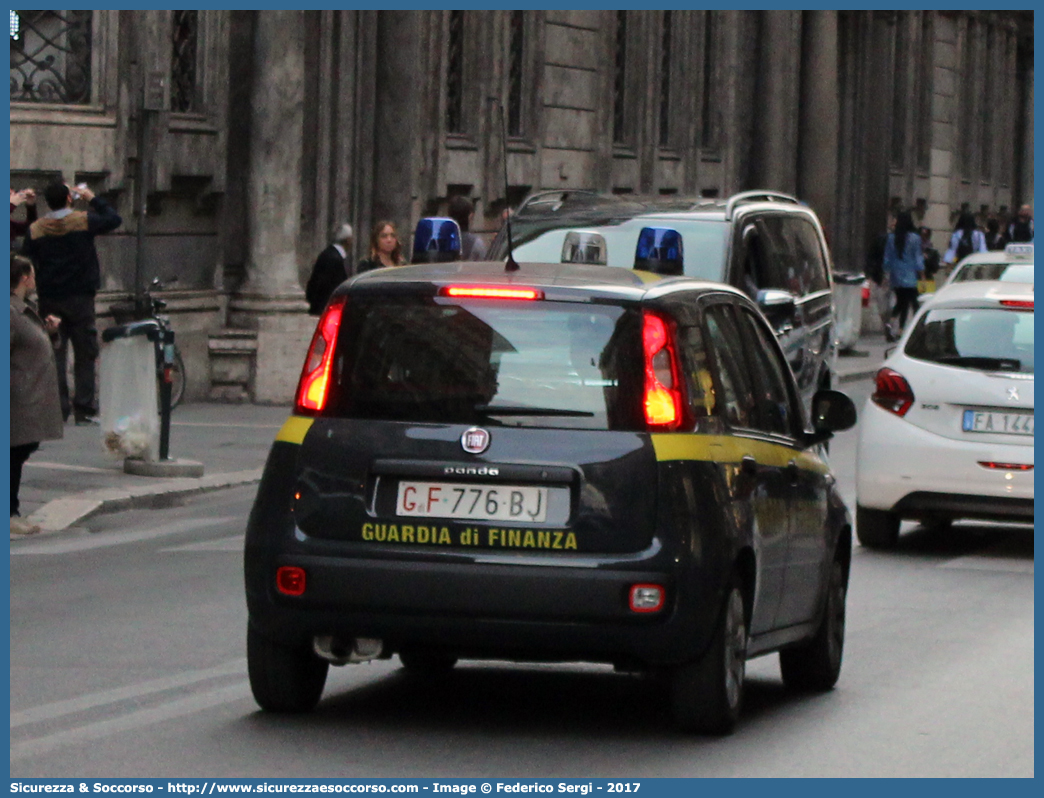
620	79
665	81
925	88
900	94
51	57
710	115
516	53
455	74
183	73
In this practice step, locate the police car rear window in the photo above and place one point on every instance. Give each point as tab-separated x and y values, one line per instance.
501	362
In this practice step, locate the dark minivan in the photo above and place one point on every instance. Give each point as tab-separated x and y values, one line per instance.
560	463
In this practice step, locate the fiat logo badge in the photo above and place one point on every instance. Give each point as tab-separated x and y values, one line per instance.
475	440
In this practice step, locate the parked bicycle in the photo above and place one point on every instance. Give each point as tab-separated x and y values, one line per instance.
147	307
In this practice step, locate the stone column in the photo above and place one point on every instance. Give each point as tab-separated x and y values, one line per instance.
775	111
820	118
271	301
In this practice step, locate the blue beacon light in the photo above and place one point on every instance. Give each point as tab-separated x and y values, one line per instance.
436	240
660	251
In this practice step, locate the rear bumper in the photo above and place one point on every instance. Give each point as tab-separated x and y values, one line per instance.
479	610
952	505
905	469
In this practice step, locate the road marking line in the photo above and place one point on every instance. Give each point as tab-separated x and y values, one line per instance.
71	706
66	467
135	720
103	539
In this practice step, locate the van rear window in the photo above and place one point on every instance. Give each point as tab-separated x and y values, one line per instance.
499	362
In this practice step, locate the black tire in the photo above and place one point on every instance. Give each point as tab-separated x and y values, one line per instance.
706	695
877	529
814	666
427	663
284	678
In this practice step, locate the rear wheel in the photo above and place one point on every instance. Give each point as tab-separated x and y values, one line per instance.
284	678
177	380
815	665
706	695
877	529
428	663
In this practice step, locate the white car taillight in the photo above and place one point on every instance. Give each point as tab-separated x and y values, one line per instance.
892	392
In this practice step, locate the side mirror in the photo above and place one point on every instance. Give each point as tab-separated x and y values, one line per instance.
832	411
778	306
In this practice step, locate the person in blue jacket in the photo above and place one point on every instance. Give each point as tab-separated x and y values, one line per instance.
904	265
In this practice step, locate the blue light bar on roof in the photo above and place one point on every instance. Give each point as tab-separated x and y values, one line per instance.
659	250
436	240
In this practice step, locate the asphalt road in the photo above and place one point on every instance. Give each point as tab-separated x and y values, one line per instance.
127	659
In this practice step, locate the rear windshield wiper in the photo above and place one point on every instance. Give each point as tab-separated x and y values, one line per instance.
985	363
506	410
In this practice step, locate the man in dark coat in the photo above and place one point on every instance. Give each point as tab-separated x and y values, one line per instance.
1020	231
61	244
329	270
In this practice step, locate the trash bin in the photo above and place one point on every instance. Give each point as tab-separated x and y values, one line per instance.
848	308
128	400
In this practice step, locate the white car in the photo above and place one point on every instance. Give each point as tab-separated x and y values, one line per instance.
1012	264
948	432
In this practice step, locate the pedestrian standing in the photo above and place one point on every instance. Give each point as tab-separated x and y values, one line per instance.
966	239
36	411
385	248
994	237
61	245
1020	231
904	265
881	296
472	247
932	257
329	270
26	197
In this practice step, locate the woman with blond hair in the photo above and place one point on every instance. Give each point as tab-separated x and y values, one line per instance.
385	248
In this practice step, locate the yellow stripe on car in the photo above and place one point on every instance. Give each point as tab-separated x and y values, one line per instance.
295	429
731	449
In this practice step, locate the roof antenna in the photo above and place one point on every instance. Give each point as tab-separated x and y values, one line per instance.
512	264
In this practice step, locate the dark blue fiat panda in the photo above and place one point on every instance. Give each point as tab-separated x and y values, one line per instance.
558	463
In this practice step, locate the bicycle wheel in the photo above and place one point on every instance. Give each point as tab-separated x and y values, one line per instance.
177	380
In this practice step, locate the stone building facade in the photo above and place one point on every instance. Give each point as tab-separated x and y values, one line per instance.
262	130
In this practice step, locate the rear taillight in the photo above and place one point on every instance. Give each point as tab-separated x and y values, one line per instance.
893	392
290	580
314	386
662	397
1019	304
1006	466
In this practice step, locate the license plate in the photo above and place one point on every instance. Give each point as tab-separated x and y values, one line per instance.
472	502
998	423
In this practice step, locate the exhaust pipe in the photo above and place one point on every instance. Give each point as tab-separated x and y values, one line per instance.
341	652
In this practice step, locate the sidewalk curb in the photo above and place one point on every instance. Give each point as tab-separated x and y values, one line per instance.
59	514
856	376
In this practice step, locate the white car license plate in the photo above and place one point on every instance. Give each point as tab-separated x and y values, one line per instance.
472	502
998	423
